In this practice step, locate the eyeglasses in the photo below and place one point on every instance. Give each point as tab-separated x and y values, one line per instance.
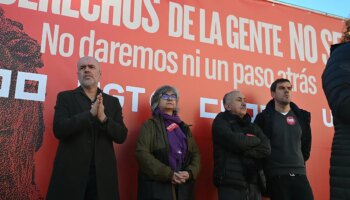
169	96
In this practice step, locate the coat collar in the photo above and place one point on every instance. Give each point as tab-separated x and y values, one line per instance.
79	92
335	46
246	120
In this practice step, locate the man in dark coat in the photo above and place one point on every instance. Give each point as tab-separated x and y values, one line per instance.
86	122
336	85
239	145
289	131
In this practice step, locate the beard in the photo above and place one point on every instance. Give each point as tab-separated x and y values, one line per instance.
87	83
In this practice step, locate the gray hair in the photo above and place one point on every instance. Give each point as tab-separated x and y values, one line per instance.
229	96
86	58
158	94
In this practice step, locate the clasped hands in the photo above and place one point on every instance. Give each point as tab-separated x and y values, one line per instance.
98	109
180	177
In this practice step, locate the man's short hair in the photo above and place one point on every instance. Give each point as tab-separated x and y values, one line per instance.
277	81
228	97
85	58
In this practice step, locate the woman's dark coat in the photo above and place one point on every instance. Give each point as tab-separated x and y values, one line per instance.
336	86
152	153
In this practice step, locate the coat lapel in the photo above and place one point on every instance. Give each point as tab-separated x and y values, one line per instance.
78	93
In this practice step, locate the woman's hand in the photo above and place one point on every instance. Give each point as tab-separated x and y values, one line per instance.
180	177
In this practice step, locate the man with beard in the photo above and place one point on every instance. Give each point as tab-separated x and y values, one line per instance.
86	122
289	131
239	146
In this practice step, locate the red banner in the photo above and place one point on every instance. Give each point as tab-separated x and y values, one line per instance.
203	49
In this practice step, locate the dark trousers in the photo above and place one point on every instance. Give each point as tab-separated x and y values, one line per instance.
230	193
288	187
91	188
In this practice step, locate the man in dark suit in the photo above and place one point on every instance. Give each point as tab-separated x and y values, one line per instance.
86	123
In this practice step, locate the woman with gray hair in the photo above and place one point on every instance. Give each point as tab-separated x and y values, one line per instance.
166	151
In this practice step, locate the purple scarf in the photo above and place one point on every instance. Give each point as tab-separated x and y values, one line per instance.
176	138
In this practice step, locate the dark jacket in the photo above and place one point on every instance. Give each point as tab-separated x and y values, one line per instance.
265	121
336	86
75	126
233	148
152	153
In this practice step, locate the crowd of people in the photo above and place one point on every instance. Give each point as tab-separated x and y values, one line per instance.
251	159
